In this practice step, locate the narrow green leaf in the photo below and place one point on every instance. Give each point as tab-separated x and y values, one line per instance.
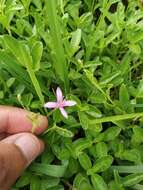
60	64
75	41
35	183
84	121
36	52
128	169
124	97
118	117
24	57
50	170
132	179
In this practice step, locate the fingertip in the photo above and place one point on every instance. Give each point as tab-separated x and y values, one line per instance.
16	153
42	124
30	146
16	120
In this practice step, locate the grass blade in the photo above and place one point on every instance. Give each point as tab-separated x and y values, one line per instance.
118	118
128	169
60	63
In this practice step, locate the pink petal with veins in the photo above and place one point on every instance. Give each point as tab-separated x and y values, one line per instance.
51	105
59	95
63	112
69	103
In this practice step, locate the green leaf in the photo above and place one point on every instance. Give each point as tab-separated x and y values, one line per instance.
38	3
101	165
128	169
111	133
132	155
118	118
93	111
80	144
23	54
73	166
101	149
27	99
138	187
35	183
115	186
84	161
136	36
64	132
50	170
10	82
84	121
81	182
75	41
132	179
88	3
36	52
16	71
59	61
135	48
94	82
98	182
124	97
1	94
49	182
4	20
125	63
137	136
23	180
58	187
139	93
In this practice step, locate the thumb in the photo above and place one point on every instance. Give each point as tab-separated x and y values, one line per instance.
16	153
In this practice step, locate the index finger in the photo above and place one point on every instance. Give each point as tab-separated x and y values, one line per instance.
15	120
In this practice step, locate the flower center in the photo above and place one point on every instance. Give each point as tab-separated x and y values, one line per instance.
60	104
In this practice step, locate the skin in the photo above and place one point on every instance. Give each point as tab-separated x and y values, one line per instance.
18	147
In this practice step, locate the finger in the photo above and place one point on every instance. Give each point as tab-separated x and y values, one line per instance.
14	120
15	155
2	135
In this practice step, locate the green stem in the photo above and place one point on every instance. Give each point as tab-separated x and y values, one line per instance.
50	129
118	118
51	112
35	82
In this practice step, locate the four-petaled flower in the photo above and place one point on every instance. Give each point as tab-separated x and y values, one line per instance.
61	103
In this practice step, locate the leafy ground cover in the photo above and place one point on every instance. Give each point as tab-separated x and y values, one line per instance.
92	50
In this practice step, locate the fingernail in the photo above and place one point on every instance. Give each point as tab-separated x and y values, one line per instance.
30	146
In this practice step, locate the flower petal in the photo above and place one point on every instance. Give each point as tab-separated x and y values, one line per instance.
51	105
59	95
69	103
63	112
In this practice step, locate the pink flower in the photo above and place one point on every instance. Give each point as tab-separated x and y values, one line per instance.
61	103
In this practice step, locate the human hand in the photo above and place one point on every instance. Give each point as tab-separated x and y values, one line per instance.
18	148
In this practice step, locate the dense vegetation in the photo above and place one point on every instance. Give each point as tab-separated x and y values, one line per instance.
92	50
